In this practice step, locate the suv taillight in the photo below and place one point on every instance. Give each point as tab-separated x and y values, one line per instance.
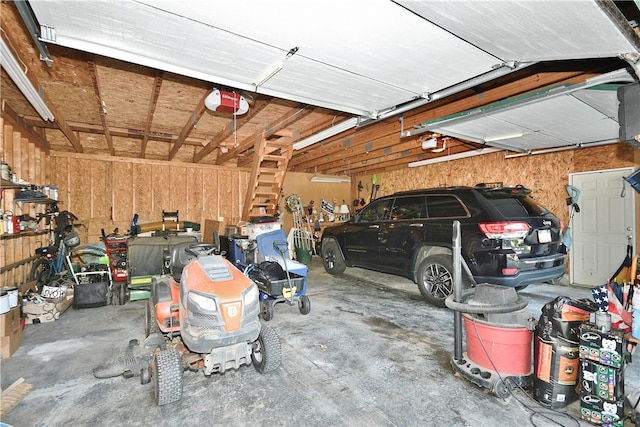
505	230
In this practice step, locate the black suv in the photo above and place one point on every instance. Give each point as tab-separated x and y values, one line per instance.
506	237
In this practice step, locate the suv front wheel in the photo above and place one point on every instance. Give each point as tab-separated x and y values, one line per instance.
435	279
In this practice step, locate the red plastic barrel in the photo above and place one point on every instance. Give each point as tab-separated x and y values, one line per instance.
506	350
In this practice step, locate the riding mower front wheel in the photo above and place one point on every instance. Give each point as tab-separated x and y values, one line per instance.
267	353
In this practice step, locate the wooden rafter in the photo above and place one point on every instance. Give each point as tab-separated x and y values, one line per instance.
277	125
102	108
153	102
198	111
59	119
38	137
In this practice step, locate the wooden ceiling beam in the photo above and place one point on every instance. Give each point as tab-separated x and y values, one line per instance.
188	127
117	131
280	123
102	108
153	102
38	138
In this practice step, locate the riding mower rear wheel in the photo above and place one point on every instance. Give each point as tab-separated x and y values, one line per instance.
167	376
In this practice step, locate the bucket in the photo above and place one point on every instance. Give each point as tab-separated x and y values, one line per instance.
503	349
13	296
303	255
4	302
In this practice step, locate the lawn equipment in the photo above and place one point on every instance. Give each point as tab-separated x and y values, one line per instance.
279	278
208	311
116	247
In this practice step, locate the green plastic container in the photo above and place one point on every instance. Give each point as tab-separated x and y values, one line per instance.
303	255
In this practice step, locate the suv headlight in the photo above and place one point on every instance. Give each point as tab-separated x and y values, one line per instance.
203	302
251	295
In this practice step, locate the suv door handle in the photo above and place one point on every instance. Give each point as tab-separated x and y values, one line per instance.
374	226
417	224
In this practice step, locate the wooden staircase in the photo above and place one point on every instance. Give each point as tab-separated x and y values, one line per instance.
271	157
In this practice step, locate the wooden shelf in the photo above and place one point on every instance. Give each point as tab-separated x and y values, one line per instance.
6	236
5	185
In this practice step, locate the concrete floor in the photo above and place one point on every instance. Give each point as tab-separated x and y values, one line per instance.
371	352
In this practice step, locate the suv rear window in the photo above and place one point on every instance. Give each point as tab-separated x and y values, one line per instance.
445	206
517	207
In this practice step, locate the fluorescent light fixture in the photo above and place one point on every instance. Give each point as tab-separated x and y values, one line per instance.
457	156
327	133
21	80
317	178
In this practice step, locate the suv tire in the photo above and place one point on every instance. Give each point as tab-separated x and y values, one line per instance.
332	258
435	279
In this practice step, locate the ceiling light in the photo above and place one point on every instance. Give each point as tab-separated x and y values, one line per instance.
21	80
327	133
457	156
317	178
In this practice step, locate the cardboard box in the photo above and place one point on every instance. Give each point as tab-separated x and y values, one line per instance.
603	381
606	348
47	312
12	341
9	322
598	411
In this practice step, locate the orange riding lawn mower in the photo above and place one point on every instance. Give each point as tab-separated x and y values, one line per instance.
203	316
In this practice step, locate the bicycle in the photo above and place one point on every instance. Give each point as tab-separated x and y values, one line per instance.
51	262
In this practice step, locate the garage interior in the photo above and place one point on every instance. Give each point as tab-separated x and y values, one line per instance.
123	109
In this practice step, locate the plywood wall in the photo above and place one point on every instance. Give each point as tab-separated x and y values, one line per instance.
105	192
29	162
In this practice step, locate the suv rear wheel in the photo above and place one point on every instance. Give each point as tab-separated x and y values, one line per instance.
332	257
435	279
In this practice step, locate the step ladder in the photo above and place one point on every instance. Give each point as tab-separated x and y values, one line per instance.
271	157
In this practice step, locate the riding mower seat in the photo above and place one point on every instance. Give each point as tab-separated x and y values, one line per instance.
180	257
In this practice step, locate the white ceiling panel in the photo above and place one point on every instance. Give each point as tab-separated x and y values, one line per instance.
531	30
564	116
355	56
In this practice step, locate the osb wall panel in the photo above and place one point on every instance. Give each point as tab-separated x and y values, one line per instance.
29	163
605	157
105	192
546	174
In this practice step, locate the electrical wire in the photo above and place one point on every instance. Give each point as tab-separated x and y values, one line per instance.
534	411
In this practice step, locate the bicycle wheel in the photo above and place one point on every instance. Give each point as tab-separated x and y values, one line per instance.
40	272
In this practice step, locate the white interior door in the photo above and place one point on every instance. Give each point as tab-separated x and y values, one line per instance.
601	229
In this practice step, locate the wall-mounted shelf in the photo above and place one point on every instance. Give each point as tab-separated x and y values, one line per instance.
5	185
6	236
